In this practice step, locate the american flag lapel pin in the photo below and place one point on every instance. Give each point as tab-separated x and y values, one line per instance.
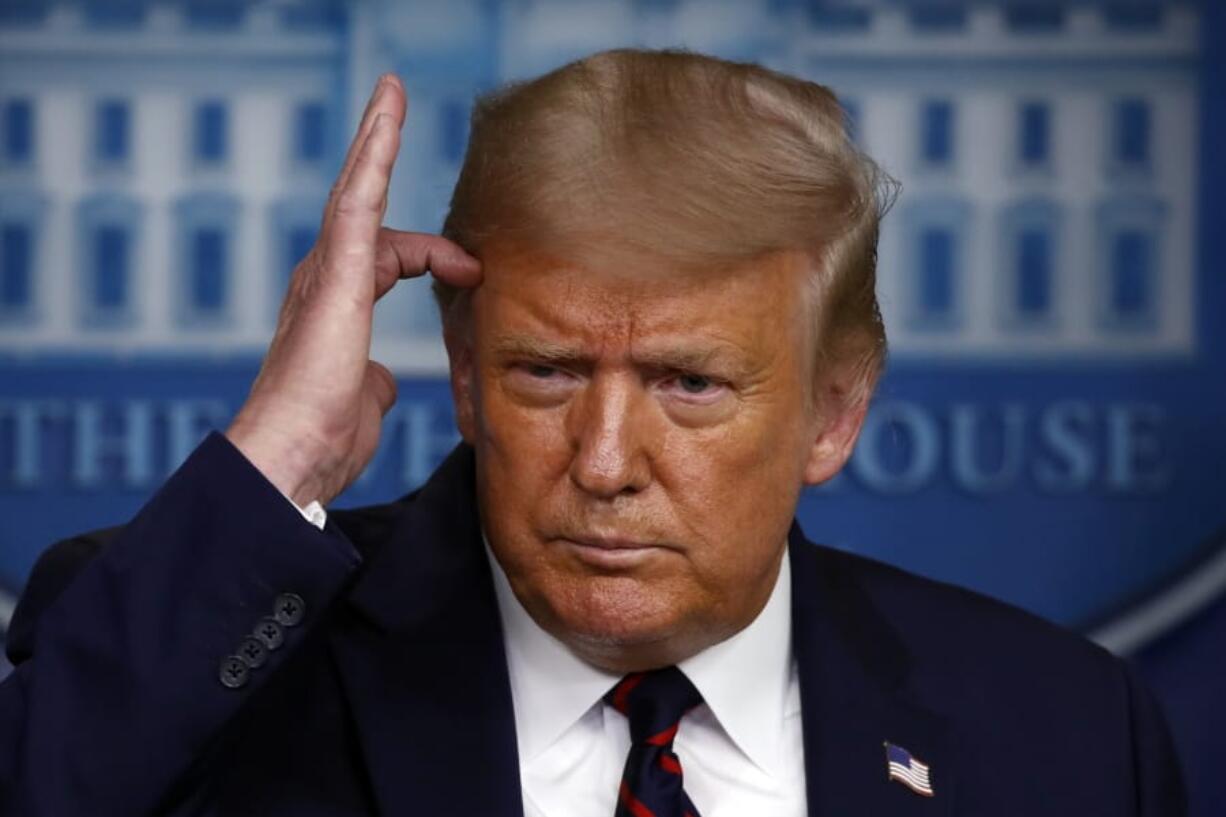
907	769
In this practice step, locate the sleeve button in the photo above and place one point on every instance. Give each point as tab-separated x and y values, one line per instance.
290	609
234	672
253	652
270	634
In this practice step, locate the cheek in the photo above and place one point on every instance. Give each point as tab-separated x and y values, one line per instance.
736	489
762	444
522	457
508	427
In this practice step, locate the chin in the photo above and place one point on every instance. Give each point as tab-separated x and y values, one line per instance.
610	613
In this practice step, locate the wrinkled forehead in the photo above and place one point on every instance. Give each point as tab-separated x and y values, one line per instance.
617	301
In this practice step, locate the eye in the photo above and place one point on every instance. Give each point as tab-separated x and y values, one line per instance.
694	383
538	384
532	374
695	389
540	371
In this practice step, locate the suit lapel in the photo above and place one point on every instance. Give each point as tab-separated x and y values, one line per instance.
420	653
853	671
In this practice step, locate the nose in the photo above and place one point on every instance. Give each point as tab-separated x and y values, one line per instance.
608	426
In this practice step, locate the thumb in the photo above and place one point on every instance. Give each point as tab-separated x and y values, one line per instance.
380	383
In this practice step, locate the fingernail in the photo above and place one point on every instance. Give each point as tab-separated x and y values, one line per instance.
387	79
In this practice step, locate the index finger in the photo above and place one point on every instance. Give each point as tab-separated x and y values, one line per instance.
408	255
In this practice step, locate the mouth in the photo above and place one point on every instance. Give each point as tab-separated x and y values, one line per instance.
613	553
610	543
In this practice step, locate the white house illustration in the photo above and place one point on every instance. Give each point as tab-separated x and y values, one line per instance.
163	164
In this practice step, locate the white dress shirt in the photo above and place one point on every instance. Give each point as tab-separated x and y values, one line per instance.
741	750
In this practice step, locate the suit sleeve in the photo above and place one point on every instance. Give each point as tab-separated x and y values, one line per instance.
1157	778
140	660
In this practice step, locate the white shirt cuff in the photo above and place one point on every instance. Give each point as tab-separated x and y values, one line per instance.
313	513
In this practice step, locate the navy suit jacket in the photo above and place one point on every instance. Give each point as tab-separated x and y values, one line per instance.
391	695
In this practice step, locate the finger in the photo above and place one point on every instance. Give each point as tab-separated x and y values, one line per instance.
407	255
381	384
389	98
357	214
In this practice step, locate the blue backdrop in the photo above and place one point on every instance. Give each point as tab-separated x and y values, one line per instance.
1050	428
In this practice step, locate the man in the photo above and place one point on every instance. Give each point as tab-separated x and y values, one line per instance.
600	603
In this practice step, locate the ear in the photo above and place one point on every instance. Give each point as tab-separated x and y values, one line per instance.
458	340
841	419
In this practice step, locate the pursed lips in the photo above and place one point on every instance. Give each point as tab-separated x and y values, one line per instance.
608	553
611	543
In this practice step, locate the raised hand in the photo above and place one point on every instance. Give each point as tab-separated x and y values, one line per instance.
311	422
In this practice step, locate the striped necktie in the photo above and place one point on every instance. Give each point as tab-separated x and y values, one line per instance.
654	703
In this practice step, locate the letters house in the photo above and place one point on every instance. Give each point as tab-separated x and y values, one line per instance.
162	164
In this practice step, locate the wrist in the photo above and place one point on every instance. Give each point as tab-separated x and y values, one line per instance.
284	460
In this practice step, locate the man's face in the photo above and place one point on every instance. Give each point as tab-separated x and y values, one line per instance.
642	437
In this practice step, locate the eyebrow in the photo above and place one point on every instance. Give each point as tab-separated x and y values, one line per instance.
533	347
678	357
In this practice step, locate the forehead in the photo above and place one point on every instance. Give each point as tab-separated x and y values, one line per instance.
606	306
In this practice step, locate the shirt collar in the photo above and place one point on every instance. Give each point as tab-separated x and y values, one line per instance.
552	688
744	679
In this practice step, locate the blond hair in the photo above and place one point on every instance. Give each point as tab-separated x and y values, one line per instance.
687	158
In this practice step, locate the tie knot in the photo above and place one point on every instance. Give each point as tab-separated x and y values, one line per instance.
654	703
